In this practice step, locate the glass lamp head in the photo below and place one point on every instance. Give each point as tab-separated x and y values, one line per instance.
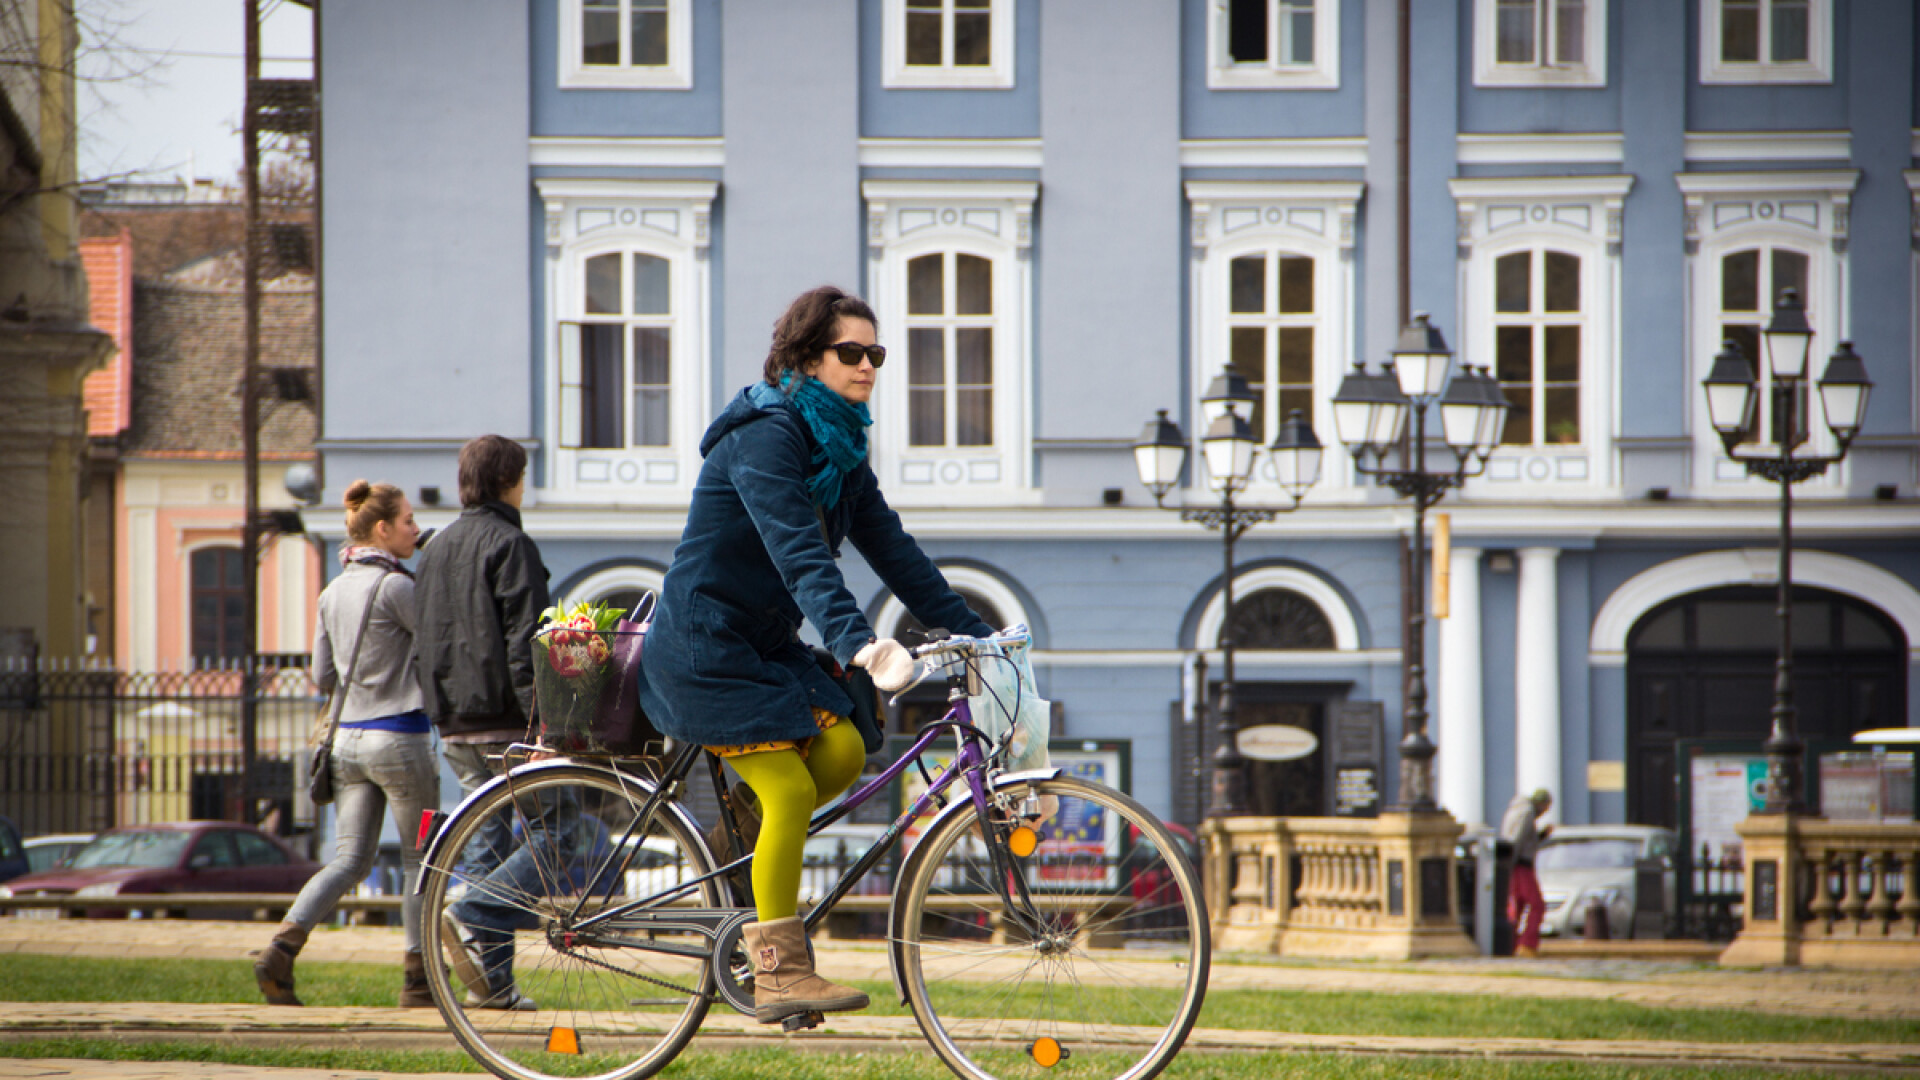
1160	455
1296	455
1421	359
1229	446
1788	337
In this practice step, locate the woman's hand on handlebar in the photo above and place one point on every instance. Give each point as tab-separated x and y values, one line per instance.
888	662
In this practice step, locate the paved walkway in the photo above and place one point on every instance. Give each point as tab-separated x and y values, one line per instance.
1659	984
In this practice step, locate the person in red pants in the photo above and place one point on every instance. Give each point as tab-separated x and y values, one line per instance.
1525	907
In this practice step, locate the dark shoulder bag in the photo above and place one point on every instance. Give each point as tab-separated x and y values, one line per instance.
320	767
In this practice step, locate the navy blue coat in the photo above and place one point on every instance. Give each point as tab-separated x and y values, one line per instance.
723	663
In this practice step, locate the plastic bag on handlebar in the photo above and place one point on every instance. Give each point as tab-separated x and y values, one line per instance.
1009	707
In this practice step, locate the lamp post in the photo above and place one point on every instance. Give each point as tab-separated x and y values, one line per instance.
1371	412
1229	447
1731	405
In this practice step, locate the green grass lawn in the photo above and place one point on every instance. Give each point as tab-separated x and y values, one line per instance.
757	1064
31	977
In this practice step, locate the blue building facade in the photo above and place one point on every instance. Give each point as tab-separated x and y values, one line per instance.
574	223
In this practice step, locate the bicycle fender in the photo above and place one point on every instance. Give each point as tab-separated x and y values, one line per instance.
430	856
954	806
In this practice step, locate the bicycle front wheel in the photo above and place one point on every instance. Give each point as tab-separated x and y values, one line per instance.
529	985
1077	949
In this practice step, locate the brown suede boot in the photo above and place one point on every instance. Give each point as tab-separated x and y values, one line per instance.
413	989
783	980
746	812
274	968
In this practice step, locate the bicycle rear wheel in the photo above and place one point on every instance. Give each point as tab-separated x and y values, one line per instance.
1098	967
607	1002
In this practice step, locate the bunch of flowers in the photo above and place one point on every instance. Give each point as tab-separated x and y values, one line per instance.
576	638
572	665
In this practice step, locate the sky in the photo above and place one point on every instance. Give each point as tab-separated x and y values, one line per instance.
178	112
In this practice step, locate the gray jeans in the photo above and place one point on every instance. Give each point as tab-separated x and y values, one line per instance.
370	770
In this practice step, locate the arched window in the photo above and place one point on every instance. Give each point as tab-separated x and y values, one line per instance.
950	330
1270	334
624	392
1279	619
1750	282
1538	326
218	603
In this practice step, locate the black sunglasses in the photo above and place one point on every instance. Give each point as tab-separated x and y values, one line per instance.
851	352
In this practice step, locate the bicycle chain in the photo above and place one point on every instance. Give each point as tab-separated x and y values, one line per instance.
629	974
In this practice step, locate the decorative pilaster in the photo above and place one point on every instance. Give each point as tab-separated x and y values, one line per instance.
1461	725
1536	664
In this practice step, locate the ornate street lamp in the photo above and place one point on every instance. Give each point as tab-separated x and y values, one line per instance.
1229	447
1371	412
1732	407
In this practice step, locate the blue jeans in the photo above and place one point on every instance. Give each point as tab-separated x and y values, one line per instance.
372	769
507	875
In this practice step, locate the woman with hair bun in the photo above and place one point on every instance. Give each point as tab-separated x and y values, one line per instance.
383	750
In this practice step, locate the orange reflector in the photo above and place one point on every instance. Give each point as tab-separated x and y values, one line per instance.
1048	1052
562	1041
1023	841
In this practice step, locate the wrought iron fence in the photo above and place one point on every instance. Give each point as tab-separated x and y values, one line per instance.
85	747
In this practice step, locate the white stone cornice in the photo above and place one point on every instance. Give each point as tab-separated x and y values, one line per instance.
1579	148
626	152
1831	182
1478	525
1348	152
876	153
1769	146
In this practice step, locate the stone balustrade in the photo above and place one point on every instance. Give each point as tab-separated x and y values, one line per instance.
1830	893
1353	887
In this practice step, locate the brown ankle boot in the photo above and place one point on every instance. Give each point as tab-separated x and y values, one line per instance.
274	969
413	990
746	813
783	980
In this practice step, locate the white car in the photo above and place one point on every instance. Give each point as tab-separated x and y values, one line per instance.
1582	865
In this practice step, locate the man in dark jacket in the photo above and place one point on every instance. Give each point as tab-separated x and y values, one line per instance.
480	593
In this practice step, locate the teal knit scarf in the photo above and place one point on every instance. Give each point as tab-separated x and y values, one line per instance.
839	434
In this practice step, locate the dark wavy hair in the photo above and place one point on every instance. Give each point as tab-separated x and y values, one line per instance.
807	327
489	466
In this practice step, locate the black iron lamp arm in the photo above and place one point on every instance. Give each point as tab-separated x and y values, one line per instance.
1237	518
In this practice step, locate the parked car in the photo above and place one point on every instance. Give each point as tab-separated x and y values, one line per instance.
13	855
1581	865
173	857
47	852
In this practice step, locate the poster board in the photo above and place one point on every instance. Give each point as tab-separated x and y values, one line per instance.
1077	846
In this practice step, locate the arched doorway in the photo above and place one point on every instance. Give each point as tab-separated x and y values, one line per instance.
1702	666
1282	618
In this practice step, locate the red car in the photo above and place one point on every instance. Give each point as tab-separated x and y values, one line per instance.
173	857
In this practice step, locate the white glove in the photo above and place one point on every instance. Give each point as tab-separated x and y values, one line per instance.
888	662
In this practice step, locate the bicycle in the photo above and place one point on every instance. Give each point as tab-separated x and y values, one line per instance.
1040	924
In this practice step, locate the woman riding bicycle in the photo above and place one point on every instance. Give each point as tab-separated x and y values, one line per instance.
784	483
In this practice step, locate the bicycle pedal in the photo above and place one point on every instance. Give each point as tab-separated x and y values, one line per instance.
802	1021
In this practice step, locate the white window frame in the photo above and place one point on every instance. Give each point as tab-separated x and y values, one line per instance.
667	219
1536	319
1224	73
1313	218
992	219
1489	71
1728	212
897	74
1581	216
1816	68
675	74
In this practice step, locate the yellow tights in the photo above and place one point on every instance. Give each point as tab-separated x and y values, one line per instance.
791	788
